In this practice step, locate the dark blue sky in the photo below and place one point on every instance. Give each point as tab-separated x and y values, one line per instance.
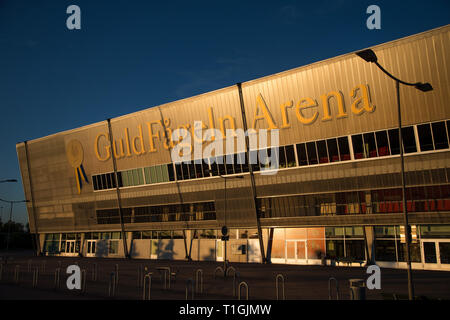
132	55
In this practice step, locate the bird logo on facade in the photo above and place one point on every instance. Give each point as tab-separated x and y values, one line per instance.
74	151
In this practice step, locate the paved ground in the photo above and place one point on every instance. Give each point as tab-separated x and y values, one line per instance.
302	282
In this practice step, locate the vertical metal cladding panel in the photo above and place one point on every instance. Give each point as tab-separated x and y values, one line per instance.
21	155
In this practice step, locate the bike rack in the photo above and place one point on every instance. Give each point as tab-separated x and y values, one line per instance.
149	277
167	276
220	269
243	284
94	272
329	288
228	271
57	278
116	272
17	273
35	277
187	289
112	285
236	278
278	277
197	286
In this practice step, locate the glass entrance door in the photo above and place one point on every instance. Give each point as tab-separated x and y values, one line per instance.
436	253
296	252
70	247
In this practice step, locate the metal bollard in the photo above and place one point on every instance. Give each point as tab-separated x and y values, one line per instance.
43	266
83	281
139	277
149	277
16	274
117	274
244	284
1	271
329	288
220	269
94	272
236	278
199	288
35	277
57	278
187	289
112	285
279	276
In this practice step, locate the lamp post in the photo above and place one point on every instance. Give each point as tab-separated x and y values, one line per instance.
224	228
370	56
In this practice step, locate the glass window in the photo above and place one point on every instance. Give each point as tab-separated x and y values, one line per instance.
94	182
147	175
322	151
370	148
198	169
221	165
113	247
425	137
439	135
165	235
165	173
119	177
301	154
312	153
179	171
382	143
385	250
108	181
333	152
264	157
282	157
191	170
214	168
170	172
344	149
177	235
185	170
444	252
237	163
358	148
243	161
229	164
409	140
205	168
393	141
290	156
254	160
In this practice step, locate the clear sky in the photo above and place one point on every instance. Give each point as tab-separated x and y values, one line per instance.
131	55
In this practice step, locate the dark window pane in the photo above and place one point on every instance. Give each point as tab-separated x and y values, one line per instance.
205	168
282	157
254	160
322	151
425	137
243	161
104	184
344	148
221	165
170	171
237	164
213	165
185	169
108	181
179	171
358	149
382	143
191	170
312	154
198	169
94	182
290	156
301	154
119	177
229	163
333	153
370	148
439	135
393	141
409	140
113	180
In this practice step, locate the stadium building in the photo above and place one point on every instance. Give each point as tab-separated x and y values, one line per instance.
113	189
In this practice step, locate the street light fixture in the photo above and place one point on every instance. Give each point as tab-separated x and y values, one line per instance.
225	236
369	56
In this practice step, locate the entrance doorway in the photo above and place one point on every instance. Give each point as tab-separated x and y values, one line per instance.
71	247
296	252
91	246
436	253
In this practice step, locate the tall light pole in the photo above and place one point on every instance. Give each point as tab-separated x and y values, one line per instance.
370	56
225	235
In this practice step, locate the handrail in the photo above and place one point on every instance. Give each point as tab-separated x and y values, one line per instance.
244	284
187	289
149	277
329	288
199	271
279	276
